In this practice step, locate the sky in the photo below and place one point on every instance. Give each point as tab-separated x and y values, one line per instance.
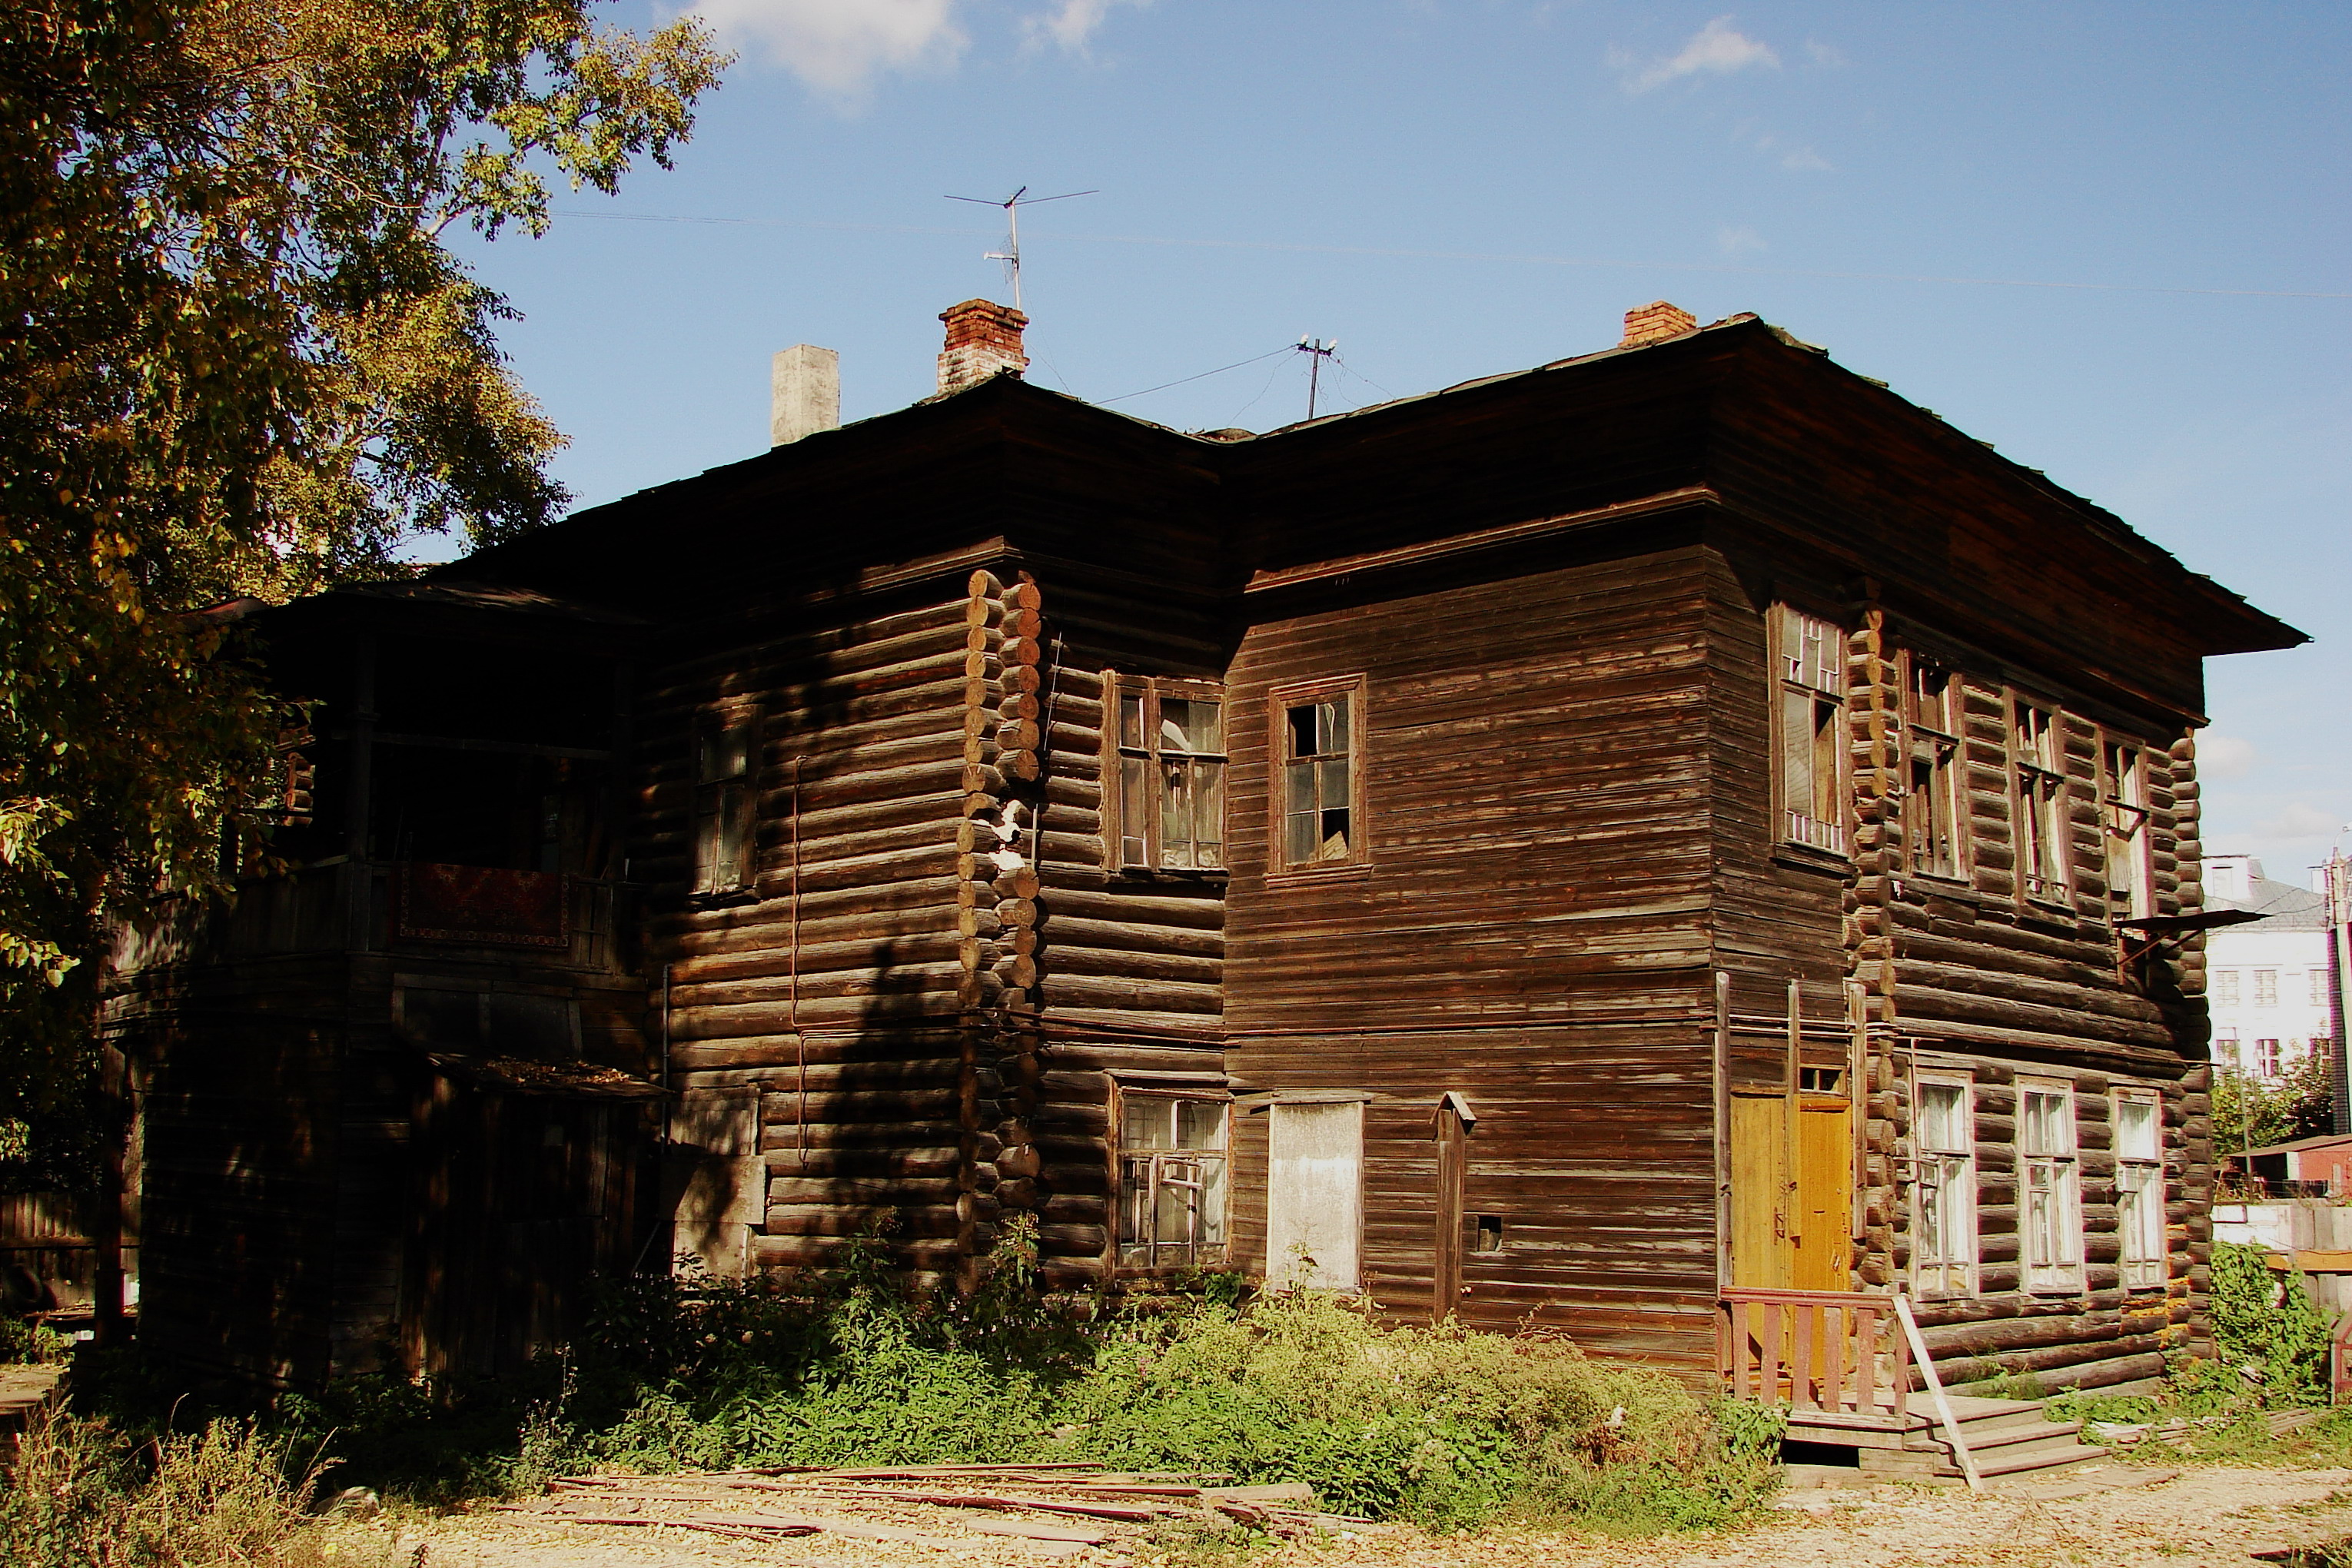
2111	239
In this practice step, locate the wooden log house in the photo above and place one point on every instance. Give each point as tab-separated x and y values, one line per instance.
1669	827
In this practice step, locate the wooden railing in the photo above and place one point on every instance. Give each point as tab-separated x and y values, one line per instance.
1841	1354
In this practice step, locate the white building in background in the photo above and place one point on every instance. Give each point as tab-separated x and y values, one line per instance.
2267	981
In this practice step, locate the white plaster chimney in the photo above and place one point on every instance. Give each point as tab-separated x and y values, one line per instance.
803	393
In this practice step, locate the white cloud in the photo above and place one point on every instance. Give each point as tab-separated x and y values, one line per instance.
1788	155
1824	54
1070	28
2299	821
1803	161
2224	757
839	47
1738	241
1717	49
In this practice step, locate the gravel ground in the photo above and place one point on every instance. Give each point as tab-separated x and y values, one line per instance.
2204	1517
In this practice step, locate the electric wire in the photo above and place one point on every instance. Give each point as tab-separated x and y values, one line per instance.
1499	256
1204	375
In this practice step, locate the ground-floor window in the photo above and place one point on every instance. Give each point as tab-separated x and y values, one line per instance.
1172	1179
2050	1191
2140	1186
1944	1235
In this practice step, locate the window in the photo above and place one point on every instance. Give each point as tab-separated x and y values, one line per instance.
2139	1188
2034	754
2123	805
1317	739
1931	789
2266	987
1170	777
2225	987
2050	1195
1172	1180
2267	1060
1943	1239
726	777
2225	1049
1812	731
2319	997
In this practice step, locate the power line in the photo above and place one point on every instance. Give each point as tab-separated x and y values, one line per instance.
1122	397
1531	259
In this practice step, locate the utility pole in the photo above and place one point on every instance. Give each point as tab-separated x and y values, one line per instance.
1317	350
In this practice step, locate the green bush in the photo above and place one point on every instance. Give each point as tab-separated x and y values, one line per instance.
2266	1321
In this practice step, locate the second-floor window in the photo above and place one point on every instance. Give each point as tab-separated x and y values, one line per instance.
1170	777
2225	987
1811	654
2050	1189
2319	988
725	790
1318	742
2266	987
2040	826
1931	789
2122	803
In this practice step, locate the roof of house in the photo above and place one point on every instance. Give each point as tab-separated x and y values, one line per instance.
2284	907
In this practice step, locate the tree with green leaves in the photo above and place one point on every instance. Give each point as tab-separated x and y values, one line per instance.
2249	1112
239	358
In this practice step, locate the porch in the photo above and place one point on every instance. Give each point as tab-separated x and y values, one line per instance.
1842	1364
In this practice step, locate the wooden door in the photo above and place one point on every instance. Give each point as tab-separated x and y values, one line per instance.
1791	1191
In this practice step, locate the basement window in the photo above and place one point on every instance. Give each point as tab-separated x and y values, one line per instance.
1167	774
1172	1179
1490	1234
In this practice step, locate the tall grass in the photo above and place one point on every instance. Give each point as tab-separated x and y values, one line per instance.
1446	1426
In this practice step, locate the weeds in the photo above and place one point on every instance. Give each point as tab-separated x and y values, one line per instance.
82	1495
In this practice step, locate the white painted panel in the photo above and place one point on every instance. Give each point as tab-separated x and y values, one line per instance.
1315	1196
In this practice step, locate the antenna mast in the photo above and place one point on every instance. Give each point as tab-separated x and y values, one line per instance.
1010	254
1317	350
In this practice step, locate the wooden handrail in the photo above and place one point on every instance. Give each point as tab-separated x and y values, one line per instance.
1816	1349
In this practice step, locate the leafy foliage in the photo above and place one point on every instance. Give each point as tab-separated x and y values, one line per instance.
241	361
1445	1427
2266	1320
2249	1113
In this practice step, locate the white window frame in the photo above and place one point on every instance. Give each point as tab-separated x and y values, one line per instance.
2049	1189
1144	1174
2143	1251
2266	988
2226	988
1810	766
1944	1201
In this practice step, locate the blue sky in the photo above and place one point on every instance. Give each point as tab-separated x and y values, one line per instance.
1456	187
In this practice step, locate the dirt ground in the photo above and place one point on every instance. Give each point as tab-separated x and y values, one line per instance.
2204	1517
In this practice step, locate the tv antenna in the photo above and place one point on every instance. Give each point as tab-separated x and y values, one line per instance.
1010	254
1317	350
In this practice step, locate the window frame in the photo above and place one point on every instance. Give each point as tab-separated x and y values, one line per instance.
2061	1270
2228	987
1955	1181
1940	749
2039	802
2266	987
1790	625
2143	1251
708	798
2126	818
1118	791
1216	1253
1353	690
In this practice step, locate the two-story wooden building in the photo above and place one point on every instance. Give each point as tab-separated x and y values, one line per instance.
1679	819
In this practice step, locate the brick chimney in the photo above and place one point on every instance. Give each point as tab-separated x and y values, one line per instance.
983	341
1656	322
